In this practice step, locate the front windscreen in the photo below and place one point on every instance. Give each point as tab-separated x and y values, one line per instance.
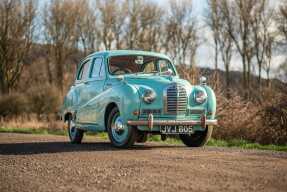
119	65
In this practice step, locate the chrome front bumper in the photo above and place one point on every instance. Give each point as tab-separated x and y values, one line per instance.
150	122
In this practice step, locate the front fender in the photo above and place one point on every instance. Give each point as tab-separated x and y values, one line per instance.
127	98
130	102
211	102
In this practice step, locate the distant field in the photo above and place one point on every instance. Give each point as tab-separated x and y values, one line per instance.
156	138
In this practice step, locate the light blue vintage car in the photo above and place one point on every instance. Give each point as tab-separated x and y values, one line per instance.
132	94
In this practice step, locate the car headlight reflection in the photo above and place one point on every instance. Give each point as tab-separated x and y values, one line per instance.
149	96
200	97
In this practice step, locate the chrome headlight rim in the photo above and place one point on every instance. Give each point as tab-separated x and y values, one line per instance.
149	96
200	97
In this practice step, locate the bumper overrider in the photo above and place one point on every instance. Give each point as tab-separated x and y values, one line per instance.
150	122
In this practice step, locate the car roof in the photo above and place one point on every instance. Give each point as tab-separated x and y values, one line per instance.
128	52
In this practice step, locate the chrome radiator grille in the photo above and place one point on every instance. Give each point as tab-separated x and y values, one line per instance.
175	99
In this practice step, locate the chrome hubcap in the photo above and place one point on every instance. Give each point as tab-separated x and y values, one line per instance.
72	129
119	130
118	125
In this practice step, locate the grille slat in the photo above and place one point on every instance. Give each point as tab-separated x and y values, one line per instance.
176	102
176	99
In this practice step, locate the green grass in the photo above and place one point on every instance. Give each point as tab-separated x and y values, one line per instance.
157	138
239	143
33	131
245	145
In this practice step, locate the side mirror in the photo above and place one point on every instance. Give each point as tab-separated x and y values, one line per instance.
202	80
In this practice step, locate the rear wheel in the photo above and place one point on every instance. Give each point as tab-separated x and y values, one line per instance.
75	134
198	139
120	135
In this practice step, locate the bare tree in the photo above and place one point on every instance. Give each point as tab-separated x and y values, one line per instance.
112	15
226	50
268	56
222	40
150	25
87	29
60	31
262	36
213	21
282	71
282	20
144	25
181	33
133	24
238	14
16	33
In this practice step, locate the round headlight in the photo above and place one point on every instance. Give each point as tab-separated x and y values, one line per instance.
149	96
200	97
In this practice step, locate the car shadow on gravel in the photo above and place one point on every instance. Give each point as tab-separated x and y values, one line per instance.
61	147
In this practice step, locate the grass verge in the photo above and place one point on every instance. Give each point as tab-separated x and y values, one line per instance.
33	131
245	145
239	143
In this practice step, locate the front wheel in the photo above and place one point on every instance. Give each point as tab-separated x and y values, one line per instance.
198	139
75	134
120	135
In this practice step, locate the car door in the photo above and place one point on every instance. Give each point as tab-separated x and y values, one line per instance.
93	88
79	97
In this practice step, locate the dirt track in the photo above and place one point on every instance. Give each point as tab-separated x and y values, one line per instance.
49	163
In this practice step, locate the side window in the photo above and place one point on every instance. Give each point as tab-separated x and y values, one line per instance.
164	66
96	70
84	71
149	67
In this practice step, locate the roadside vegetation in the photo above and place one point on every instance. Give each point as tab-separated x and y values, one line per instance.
39	54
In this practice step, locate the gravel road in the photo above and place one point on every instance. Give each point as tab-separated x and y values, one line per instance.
50	163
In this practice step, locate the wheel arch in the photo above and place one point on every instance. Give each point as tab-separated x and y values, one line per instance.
109	107
67	115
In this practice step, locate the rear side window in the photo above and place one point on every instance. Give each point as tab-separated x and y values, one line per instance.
84	71
97	66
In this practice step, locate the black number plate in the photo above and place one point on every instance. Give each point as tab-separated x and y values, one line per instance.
176	129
